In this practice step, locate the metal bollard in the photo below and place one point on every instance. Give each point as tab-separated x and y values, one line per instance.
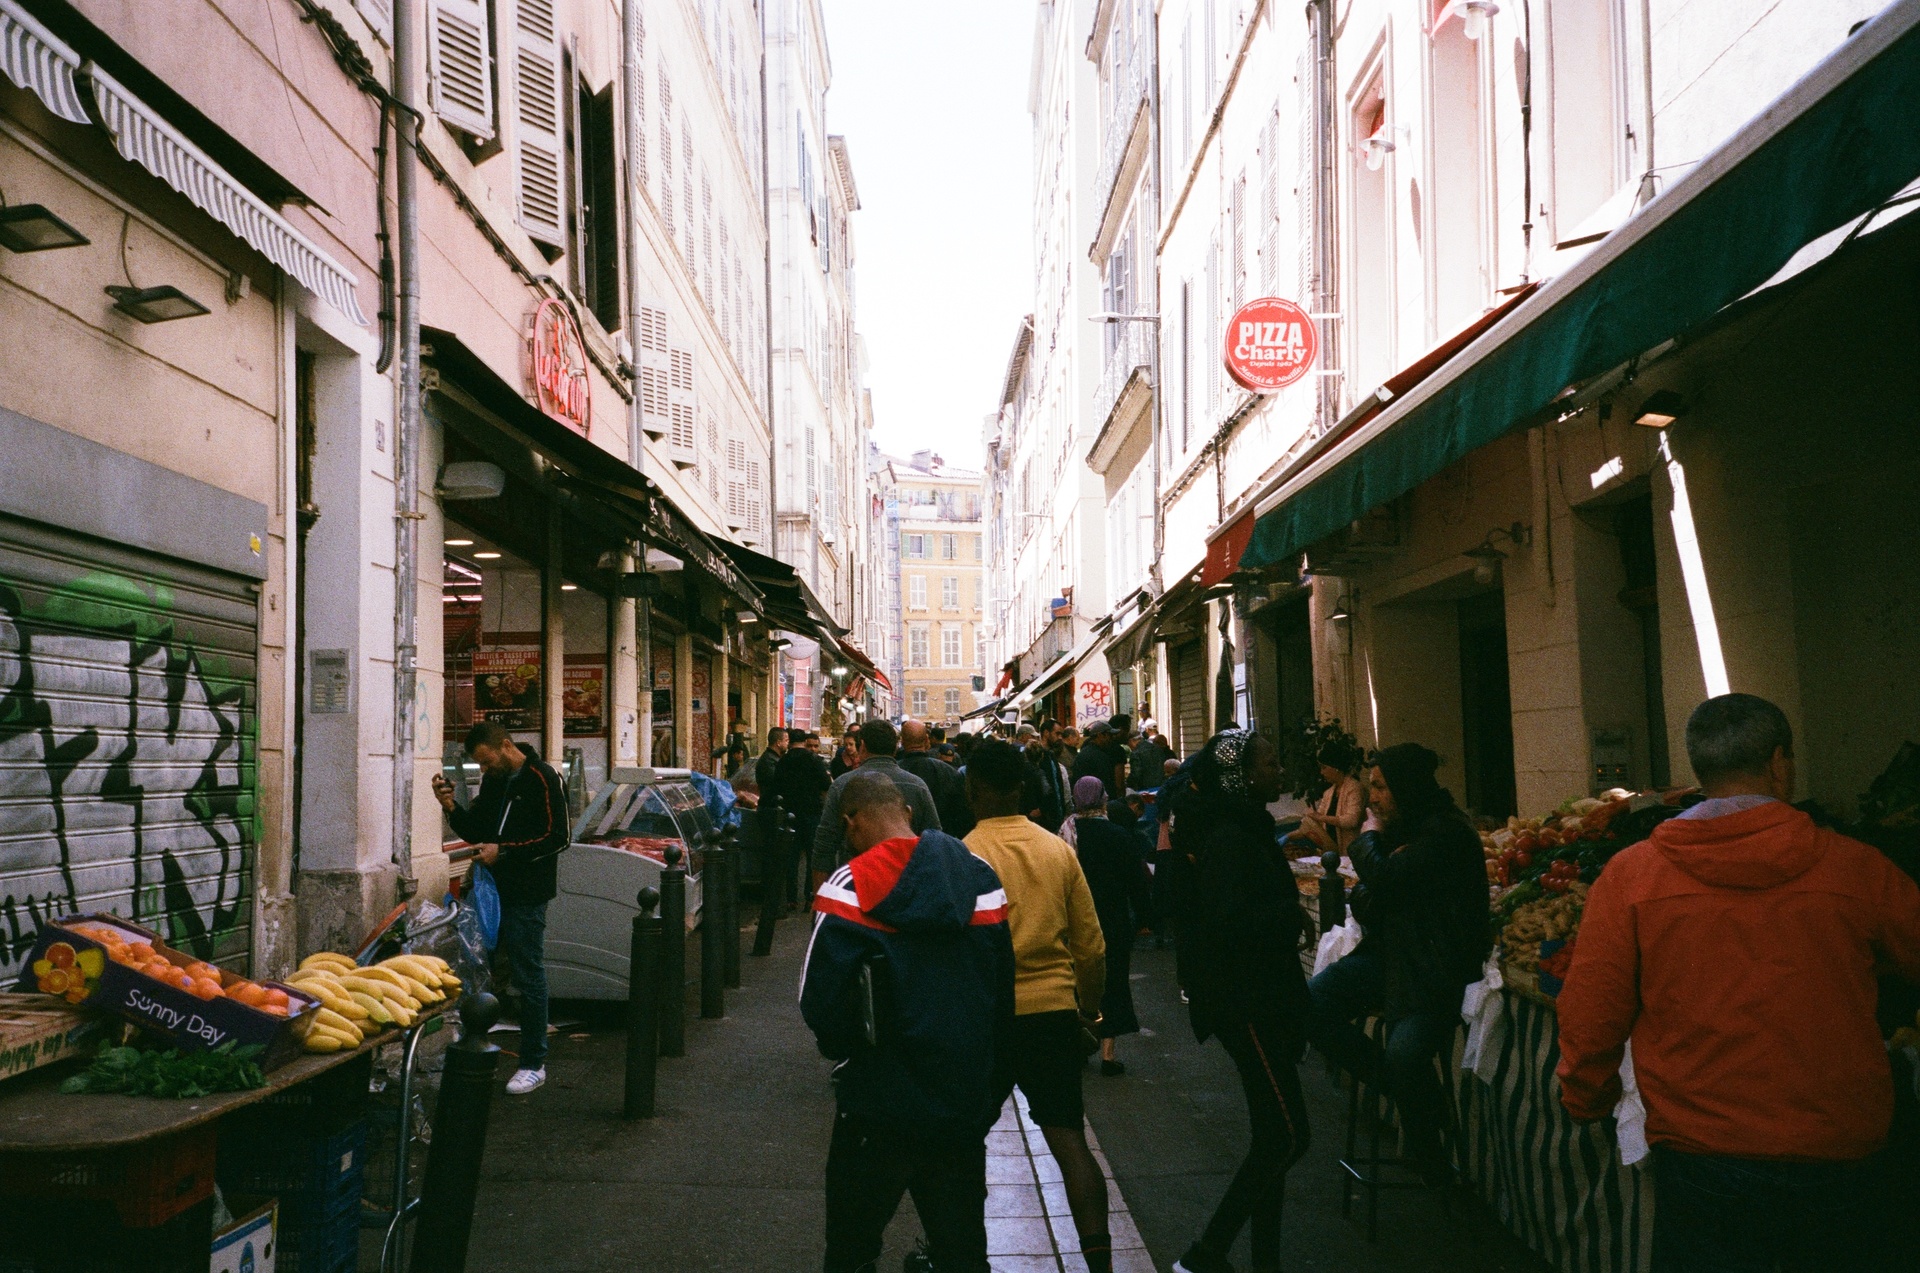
643	1007
460	1139
730	945
771	821
713	925
1333	894
673	955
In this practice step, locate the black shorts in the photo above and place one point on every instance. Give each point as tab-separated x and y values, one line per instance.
1044	1059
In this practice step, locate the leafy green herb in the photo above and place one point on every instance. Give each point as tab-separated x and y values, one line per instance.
170	1073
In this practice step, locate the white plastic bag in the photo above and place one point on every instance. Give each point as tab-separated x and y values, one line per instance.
1484	1009
1630	1114
1337	945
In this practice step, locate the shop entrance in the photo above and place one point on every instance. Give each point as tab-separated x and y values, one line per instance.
1633	527
1292	634
1486	705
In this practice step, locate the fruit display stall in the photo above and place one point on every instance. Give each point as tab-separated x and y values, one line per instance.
158	1111
1561	1186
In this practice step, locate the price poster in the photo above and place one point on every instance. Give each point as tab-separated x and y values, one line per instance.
506	686
583	693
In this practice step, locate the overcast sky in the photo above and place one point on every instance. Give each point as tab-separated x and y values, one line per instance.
932	99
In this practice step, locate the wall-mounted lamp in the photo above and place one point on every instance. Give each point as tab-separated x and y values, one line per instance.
779	643
1474	15
1340	612
1487	558
839	671
1375	149
160	304
745	617
29	227
1661	409
470	480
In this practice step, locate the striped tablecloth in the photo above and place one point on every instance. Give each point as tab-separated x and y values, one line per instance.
1555	1183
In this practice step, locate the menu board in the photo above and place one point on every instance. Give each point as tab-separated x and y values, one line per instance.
506	686
583	692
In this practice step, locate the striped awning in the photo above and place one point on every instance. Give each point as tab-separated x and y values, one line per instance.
81	92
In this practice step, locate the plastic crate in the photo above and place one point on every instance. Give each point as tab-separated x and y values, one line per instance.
88	1237
321	1106
315	1178
148	1183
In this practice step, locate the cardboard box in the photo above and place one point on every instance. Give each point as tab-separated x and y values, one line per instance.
77	968
248	1244
37	1030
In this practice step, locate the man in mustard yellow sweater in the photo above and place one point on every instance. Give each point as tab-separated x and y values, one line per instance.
1059	959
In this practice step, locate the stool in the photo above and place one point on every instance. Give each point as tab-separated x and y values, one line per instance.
1377	1171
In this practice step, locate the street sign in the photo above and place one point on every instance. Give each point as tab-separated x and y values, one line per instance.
1270	344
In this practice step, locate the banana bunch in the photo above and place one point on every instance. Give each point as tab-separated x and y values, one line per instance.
357	1001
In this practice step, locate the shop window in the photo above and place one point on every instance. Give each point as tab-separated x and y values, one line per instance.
919	700
597	212
953	704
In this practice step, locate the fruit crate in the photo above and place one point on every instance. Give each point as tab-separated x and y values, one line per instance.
147	1184
318	1180
37	1029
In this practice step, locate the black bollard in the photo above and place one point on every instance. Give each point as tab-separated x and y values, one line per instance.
1333	894
769	822
673	954
713	926
730	945
643	1007
460	1138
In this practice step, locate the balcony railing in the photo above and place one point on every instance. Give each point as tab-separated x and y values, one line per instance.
1132	352
1127	90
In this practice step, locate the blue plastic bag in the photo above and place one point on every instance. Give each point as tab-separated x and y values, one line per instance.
485	895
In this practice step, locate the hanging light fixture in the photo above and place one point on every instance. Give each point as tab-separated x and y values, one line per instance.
1473	21
29	227
160	304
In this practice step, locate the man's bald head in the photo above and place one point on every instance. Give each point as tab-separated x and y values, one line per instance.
914	736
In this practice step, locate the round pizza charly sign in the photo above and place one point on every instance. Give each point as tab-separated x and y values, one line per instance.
1270	344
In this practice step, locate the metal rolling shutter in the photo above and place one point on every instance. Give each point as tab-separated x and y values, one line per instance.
1190	696
128	731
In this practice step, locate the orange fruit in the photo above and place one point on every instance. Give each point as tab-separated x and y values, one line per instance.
275	998
60	955
202	988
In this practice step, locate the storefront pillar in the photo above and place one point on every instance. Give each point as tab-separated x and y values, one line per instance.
623	678
722	689
554	643
683	699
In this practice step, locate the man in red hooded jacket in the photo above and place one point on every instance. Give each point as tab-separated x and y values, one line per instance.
1738	948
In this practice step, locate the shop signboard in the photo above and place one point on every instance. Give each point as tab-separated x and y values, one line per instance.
583	698
506	686
1270	344
557	366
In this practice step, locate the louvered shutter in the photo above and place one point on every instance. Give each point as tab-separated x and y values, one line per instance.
1210	327
1270	169
682	447
666	152
706	236
1237	246
379	16
639	90
654	361
1310	286
686	198
460	65
536	117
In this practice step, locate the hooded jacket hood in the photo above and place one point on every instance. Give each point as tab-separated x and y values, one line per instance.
1758	848
917	886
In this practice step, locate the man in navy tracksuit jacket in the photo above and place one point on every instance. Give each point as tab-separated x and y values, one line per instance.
928	921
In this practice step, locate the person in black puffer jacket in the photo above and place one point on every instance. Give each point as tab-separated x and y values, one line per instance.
1239	960
1423	904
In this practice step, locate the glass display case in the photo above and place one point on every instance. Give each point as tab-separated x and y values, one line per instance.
619	846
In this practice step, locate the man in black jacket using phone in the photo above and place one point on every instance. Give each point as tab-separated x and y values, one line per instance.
518	823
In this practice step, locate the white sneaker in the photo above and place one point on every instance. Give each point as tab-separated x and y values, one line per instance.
524	1081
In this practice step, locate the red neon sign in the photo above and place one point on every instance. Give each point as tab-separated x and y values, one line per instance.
559	366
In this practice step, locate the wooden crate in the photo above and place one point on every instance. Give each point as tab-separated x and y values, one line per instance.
37	1030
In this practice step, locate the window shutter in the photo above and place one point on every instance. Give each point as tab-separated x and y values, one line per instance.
1237	246
379	16
639	90
686	198
1210	328
653	359
1303	187
536	81
460	65
706	236
682	448
666	152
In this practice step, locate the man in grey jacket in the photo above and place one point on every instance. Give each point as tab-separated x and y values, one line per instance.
874	745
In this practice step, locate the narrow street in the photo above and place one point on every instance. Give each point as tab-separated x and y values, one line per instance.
729	1175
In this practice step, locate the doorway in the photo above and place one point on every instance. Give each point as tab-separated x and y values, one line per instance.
1633	527
1486	706
1292	634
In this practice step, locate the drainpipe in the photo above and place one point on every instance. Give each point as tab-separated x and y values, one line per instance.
406	441
1326	294
636	424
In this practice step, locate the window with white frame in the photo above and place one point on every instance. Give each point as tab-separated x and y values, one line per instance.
979	547
950	592
917	645
919	700
949	547
949	645
1370	356
953	703
916	592
913	546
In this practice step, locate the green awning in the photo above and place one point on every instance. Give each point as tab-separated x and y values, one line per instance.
1832	148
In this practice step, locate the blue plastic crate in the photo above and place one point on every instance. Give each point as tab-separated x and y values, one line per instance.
317	1179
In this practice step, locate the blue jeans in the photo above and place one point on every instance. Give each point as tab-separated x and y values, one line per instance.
1713	1214
523	940
1349	990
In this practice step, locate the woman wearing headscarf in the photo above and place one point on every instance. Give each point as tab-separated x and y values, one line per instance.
1239	949
1117	877
1423	904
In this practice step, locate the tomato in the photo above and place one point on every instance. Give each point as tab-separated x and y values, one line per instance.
1523	859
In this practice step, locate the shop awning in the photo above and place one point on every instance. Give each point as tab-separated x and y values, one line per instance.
80	92
1833	147
585	466
790	604
1060	669
864	665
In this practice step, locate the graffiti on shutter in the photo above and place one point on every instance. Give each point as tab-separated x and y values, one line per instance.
536	76
460	65
127	744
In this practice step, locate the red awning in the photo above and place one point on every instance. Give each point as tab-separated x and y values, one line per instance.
1230	539
858	658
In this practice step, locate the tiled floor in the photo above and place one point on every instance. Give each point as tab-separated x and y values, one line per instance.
1029	1229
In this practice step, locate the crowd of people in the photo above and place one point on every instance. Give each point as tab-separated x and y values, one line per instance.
977	903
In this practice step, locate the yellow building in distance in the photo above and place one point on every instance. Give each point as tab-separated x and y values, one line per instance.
937	551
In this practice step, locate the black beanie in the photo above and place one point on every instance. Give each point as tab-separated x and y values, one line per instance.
1409	769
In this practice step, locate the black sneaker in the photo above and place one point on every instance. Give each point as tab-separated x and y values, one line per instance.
1200	1260
1112	1069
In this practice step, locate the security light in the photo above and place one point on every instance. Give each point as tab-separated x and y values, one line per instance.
1661	409
160	304
28	227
